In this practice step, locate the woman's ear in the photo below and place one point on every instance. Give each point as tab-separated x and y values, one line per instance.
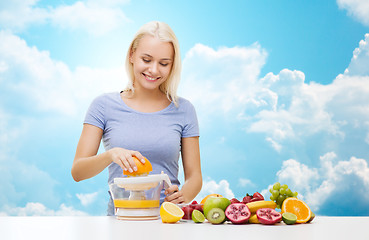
131	56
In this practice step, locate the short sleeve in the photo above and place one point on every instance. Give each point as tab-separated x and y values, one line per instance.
95	113
191	126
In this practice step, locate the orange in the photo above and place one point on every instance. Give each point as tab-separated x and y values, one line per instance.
142	168
297	207
210	195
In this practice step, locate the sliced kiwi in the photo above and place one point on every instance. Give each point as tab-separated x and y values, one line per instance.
216	216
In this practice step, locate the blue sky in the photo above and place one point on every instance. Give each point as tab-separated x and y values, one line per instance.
281	91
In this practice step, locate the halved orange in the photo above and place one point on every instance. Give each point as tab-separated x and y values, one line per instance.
210	195
142	168
297	207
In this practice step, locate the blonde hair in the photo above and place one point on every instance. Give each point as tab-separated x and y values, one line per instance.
164	33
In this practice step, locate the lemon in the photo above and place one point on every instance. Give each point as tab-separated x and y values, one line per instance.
253	218
170	213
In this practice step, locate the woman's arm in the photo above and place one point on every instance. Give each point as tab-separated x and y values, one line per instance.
191	167
87	164
192	173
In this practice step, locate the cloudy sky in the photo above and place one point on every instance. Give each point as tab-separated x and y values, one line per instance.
281	90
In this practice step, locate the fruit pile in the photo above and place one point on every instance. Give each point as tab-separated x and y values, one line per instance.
252	209
217	209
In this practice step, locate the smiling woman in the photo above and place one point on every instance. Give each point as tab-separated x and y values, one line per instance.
151	64
159	47
146	120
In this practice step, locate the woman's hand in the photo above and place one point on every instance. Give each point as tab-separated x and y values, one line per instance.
124	158
87	164
174	195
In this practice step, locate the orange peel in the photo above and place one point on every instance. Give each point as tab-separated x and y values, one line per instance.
142	168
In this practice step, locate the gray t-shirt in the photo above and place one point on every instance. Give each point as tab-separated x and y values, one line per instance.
157	135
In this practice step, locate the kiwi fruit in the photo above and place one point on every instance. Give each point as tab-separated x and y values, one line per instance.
216	216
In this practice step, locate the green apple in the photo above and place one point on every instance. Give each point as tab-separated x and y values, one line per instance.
215	202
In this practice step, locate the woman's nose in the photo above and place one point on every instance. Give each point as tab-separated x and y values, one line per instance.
154	68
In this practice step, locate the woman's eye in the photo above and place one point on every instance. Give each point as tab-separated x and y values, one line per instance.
164	64
146	60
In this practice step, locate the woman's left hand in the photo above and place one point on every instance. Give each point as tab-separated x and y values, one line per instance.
174	195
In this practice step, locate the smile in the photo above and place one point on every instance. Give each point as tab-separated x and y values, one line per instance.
148	78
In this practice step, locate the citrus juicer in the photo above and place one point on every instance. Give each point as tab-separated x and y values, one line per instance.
138	198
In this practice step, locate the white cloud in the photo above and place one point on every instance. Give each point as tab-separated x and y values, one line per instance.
297	173
210	186
18	14
275	145
23	181
3	66
243	182
319	185
87	198
34	77
108	2
94	16
226	80
360	59
359	9
300	110
38	209
8	134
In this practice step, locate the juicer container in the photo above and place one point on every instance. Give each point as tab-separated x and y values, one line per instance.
138	197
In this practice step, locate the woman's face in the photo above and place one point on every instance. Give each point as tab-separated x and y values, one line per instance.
152	62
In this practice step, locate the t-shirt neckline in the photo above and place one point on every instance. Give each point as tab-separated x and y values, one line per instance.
136	111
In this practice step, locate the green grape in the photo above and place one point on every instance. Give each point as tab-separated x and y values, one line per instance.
280	199
276	186
280	192
289	192
275	193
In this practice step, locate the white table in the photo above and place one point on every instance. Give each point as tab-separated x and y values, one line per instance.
110	228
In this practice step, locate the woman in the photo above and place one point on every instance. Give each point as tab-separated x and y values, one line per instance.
147	119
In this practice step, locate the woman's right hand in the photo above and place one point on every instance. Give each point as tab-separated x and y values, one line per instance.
124	158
